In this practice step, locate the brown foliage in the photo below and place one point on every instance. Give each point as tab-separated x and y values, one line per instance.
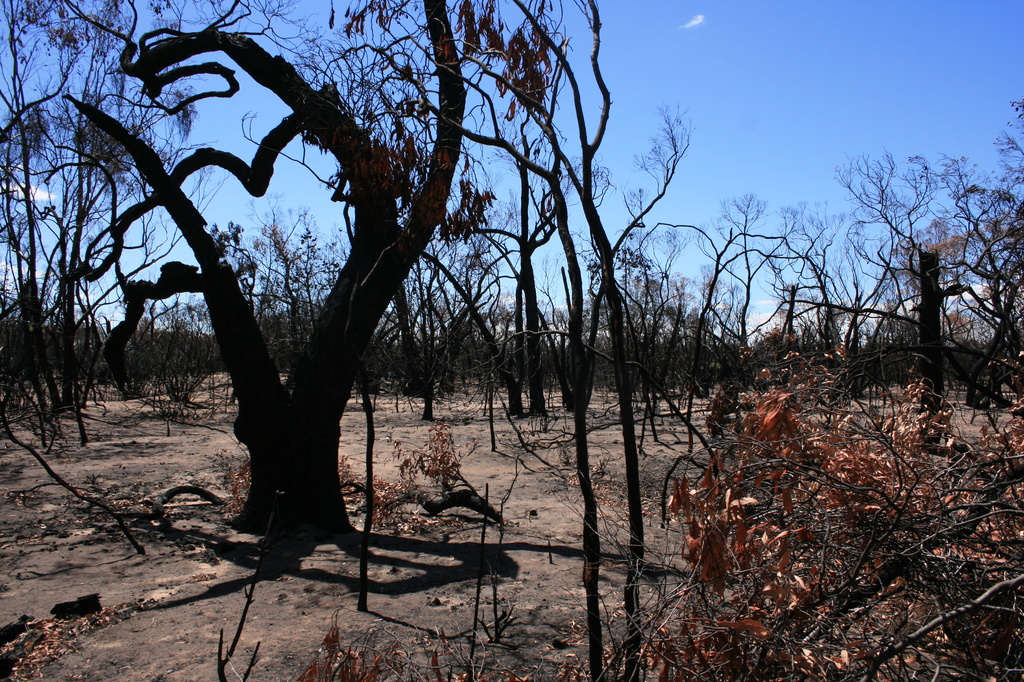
437	464
236	481
440	461
821	533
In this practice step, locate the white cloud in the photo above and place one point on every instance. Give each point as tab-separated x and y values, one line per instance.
697	20
41	196
38	194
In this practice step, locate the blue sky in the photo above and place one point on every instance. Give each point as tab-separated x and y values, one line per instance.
777	92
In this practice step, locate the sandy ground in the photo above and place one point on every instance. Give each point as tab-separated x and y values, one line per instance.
164	611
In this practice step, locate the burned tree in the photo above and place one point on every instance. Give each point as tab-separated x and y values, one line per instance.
395	171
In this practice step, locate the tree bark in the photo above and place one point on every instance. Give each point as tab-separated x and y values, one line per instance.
293	438
531	307
930	330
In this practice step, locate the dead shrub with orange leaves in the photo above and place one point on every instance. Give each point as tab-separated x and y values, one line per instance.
236	474
823	541
333	662
439	461
373	662
430	476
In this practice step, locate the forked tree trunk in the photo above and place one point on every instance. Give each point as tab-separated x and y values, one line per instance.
293	436
293	440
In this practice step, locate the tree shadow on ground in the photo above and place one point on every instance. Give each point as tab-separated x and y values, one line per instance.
413	564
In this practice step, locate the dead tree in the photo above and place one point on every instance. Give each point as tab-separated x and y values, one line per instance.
394	185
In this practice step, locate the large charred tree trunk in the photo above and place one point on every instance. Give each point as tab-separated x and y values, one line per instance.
534	373
930	330
292	436
559	353
293	447
294	476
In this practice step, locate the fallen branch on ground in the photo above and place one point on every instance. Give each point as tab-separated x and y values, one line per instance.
895	649
88	499
459	497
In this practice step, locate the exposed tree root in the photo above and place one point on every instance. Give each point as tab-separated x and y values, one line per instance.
434	504
163	498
